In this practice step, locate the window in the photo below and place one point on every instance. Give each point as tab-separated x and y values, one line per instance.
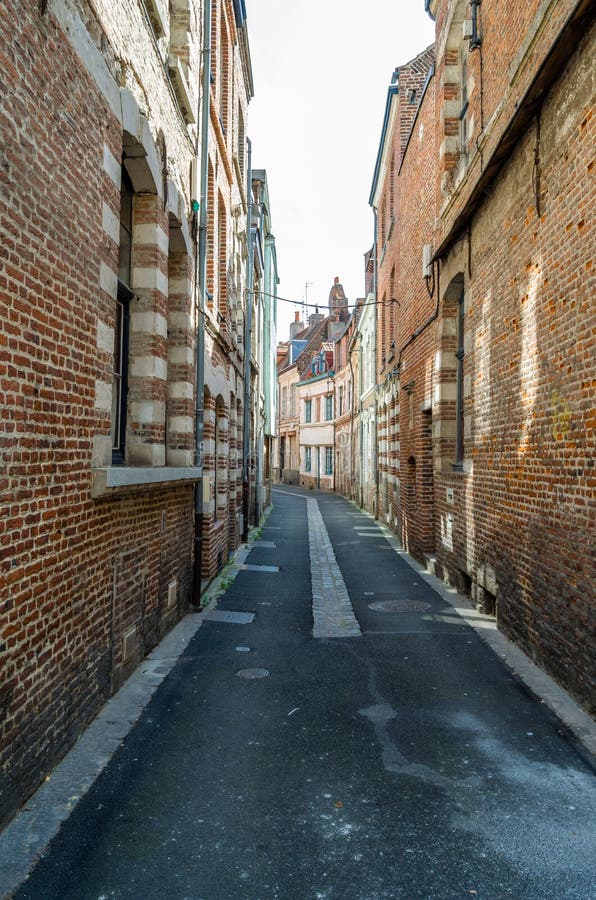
308	410
328	460
292	399
121	324
328	407
284	401
340	400
459	415
307	459
463	115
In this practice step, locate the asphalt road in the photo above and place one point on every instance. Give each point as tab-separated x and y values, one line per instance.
407	762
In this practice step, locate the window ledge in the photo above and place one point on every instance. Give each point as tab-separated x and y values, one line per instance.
113	480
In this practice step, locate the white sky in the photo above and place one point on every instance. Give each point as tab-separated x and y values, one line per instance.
321	71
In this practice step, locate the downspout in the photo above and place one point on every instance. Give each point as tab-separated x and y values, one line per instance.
201	282
375	291
335	453
360	428
351	423
247	351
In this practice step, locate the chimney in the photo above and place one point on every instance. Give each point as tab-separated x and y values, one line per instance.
296	326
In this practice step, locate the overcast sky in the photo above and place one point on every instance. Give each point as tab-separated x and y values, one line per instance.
321	71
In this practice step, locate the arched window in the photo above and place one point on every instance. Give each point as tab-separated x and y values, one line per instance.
121	322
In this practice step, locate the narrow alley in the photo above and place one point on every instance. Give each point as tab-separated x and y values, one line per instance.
347	737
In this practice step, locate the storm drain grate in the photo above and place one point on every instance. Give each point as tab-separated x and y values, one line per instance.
398	606
251	674
225	615
248	568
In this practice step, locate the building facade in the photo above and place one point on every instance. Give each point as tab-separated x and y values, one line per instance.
404	200
513	247
288	452
366	400
101	322
345	381
484	281
317	430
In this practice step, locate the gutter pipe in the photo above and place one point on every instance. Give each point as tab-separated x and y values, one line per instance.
201	284
247	352
375	292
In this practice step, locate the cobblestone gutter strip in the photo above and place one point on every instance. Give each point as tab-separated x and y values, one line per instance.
541	685
25	838
332	610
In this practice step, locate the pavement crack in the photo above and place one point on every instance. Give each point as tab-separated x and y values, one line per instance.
380	714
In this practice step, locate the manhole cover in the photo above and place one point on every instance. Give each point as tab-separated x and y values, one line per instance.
252	673
397	606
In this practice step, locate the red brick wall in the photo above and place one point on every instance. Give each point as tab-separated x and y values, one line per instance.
403	425
515	528
75	574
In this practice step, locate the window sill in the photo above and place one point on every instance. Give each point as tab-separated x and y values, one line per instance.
117	480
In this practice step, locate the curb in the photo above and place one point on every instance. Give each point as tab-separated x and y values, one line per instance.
27	836
539	684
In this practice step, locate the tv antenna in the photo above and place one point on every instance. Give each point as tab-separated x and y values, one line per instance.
307	284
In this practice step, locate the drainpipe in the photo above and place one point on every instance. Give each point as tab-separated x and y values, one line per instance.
201	283
334	455
375	292
360	424
247	330
351	424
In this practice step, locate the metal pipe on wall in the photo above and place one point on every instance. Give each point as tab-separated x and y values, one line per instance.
247	352
201	284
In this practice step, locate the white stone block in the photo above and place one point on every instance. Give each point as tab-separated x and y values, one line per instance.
180	390
181	356
180	321
149	323
110	223
180	285
140	454
181	424
111	166
149	367
150	233
103	395
149	278
101	453
105	337
179	457
148	412
108	280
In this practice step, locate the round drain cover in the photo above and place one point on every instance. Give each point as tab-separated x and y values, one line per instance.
397	606
252	673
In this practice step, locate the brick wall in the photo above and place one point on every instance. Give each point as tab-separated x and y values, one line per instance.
513	521
507	213
404	412
88	586
521	509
